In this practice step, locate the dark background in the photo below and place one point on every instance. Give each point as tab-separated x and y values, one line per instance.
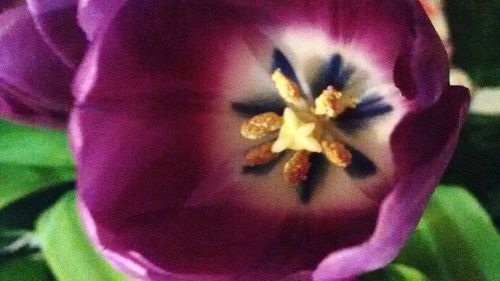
475	32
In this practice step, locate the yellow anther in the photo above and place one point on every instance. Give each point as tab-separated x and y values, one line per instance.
287	89
260	154
297	168
328	102
336	153
261	125
332	103
296	135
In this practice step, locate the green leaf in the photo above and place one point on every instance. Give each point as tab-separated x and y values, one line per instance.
18	181
26	268
23	213
395	272
31	146
66	248
455	240
20	257
31	159
476	161
16	243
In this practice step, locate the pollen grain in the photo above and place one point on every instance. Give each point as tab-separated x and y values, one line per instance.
261	125
287	89
336	153
332	103
260	154
297	168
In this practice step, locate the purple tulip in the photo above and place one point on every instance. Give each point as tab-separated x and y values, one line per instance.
257	140
40	48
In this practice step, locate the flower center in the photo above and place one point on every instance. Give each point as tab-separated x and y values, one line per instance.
304	128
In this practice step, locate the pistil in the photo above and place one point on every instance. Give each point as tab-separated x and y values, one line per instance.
296	134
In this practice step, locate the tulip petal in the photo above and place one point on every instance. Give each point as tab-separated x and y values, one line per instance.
421	71
418	176
14	106
34	83
94	15
56	21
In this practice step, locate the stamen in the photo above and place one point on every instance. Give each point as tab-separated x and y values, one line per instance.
327	102
297	168
260	155
261	125
332	103
287	89
336	153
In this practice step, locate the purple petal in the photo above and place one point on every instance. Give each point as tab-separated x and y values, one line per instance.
14	106
307	276
421	70
158	146
56	21
34	83
422	161
94	15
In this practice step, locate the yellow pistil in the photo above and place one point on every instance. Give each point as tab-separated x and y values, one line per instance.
261	125
332	103
287	89
260	154
336	153
296	135
297	168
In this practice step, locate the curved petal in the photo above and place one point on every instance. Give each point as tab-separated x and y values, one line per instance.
161	186
94	15
422	162
14	106
34	83
56	21
421	70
